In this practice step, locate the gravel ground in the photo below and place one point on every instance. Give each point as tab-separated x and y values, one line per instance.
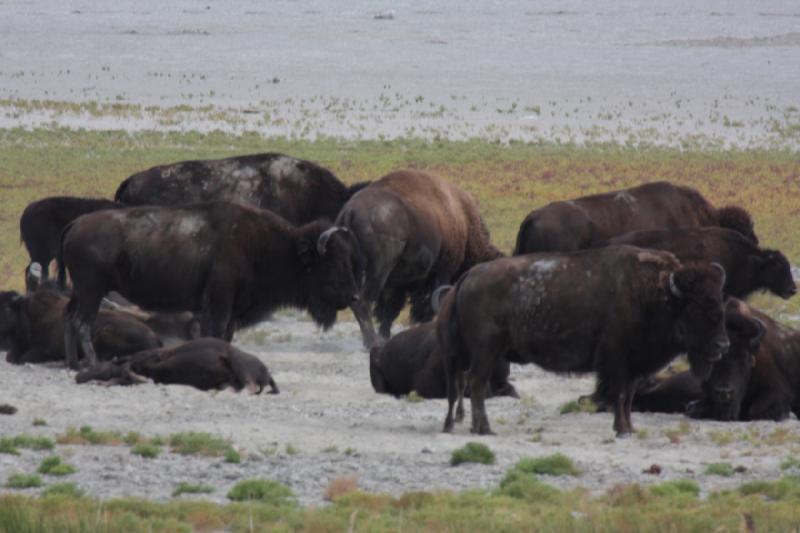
328	412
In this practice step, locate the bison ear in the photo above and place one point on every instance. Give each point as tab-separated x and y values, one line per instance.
759	330
306	251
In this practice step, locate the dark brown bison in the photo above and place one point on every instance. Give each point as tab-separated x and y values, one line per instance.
417	232
233	264
589	221
299	191
620	311
411	361
205	364
720	395
42	222
32	329
748	268
766	387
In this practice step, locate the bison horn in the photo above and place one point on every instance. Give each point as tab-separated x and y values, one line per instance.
436	296
323	238
35	270
673	287
721	270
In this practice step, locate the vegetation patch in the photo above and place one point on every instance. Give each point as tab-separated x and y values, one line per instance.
551	465
340	486
146	450
86	435
193	443
719	469
62	489
787	488
191	488
676	486
473	452
790	462
39	422
54	467
232	456
23	481
263	490
11	445
581	405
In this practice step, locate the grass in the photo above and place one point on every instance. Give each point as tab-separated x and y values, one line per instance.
790	462
39	422
473	452
146	450
232	456
584	405
551	465
676	486
86	435
508	179
194	443
263	490
291	449
23	481
719	469
62	489
54	467
11	445
191	488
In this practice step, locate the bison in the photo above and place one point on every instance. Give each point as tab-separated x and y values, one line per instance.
205	364
32	329
299	191
720	395
417	232
589	221
233	264
621	311
412	361
748	268
42	222
766	387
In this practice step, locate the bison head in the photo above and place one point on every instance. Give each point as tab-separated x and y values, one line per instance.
727	384
334	272
13	322
700	320
774	272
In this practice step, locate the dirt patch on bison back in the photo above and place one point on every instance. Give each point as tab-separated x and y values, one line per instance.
336	425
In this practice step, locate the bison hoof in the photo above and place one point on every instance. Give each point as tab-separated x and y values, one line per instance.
624	434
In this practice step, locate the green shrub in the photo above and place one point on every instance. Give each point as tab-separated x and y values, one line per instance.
473	452
232	456
526	486
193	443
146	450
23	481
53	466
676	486
87	435
262	490
552	465
11	445
62	489
189	488
719	469
39	422
782	489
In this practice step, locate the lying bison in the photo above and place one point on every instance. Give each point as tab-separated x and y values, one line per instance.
720	395
232	263
299	191
748	268
205	364
32	329
42	222
589	221
620	311
417	232
411	361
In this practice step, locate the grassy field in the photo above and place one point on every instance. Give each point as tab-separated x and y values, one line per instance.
521	503
507	179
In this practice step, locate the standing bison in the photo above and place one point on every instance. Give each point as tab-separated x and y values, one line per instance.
748	268
299	191
620	311
231	263
42	222
417	232
589	221
205	364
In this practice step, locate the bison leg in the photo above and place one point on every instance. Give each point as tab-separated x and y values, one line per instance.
363	314
461	383
389	305
453	391
215	319
479	374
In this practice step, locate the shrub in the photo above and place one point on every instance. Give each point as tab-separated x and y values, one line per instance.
23	481
62	489
785	488
53	466
676	486
552	465
192	443
87	435
11	445
39	422
719	469
526	486
262	490
146	450
189	488
473	452
232	456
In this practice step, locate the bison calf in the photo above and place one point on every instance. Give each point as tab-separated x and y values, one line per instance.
205	364
412	361
620	311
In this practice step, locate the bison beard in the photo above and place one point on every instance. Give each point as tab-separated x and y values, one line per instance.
622	311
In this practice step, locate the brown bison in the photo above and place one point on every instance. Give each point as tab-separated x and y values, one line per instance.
205	364
720	395
620	311
32	329
417	232
233	264
589	221
42	222
748	268
412	361
299	191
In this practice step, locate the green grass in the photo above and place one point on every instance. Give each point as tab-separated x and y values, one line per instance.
584	405
146	450
62	489
790	462
39	422
263	490
676	486
191	488
11	445
787	488
23	481
86	435
473	452
54	467
719	469
551	465
194	443
291	449
232	456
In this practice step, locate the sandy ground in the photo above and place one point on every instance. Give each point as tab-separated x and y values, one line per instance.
329	413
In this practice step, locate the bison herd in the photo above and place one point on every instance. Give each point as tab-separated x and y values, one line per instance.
618	284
